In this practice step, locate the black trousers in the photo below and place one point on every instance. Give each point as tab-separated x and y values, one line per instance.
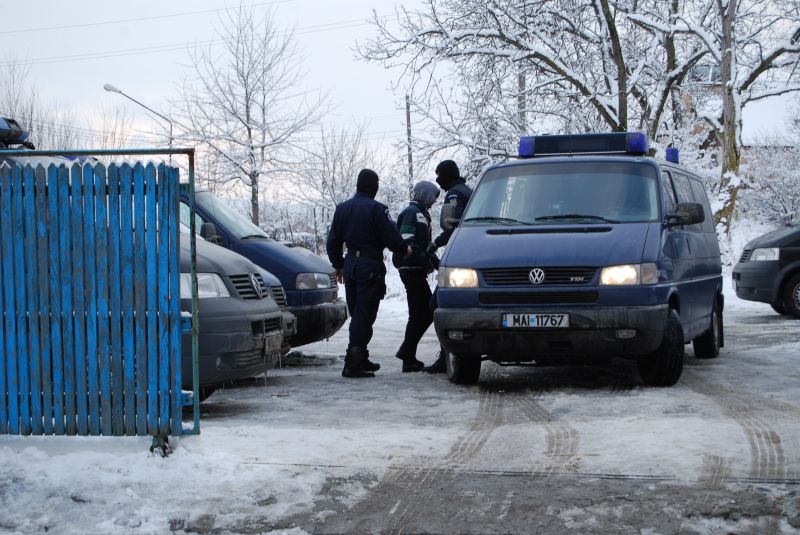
420	315
365	286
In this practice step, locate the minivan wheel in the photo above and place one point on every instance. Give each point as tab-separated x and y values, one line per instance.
463	369
791	296
706	346
663	366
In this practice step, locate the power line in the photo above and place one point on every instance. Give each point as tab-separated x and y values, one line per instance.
137	19
341	25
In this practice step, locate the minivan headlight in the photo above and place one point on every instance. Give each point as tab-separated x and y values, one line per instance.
312	281
629	274
764	254
455	277
208	285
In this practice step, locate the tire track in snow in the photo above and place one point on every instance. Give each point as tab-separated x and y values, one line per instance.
560	438
767	458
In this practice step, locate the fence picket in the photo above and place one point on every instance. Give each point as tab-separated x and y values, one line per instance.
152	302
45	390
115	300
173	207
90	288
5	172
140	300
67	317
103	316
78	296
128	342
9	304
56	307
22	383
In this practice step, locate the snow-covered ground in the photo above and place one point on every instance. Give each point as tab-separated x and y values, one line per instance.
551	450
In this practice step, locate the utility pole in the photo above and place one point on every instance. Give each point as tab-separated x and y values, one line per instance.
408	142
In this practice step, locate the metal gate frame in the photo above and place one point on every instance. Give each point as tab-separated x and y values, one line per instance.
159	438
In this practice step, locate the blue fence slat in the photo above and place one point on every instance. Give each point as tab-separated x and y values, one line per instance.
22	382
128	342
115	300
45	390
140	300
78	297
34	355
65	241
152	302
9	302
5	176
56	308
163	302
90	291
102	276
173	199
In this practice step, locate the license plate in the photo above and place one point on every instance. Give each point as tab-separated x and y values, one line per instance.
534	321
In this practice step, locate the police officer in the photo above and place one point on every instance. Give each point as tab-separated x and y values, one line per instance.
414	224
363	224
458	193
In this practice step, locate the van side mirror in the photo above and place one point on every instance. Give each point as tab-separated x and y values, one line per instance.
687	213
208	231
449	219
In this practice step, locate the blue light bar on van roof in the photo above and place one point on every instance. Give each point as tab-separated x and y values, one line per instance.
634	143
672	155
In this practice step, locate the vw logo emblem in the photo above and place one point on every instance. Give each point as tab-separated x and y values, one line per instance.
536	276
256	286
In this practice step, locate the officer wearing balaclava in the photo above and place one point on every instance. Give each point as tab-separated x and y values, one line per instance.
414	224
364	226
457	195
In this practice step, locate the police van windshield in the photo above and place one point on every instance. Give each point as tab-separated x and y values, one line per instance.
565	192
233	221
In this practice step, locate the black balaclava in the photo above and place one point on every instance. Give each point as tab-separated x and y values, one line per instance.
447	173
367	182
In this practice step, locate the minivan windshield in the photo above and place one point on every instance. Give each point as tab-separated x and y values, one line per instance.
233	221
565	193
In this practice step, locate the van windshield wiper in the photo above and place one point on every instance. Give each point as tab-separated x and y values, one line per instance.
575	216
501	220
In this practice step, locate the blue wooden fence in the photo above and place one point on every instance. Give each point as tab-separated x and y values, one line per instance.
90	293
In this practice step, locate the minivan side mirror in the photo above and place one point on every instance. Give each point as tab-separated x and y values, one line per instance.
208	231
449	219
687	213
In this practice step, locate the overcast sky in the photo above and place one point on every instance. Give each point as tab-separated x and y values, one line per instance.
75	47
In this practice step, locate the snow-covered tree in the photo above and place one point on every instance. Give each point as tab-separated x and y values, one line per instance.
245	102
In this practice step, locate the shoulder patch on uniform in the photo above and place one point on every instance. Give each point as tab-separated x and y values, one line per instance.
421	218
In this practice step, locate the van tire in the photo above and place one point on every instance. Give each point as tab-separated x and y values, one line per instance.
663	366
463	369
791	296
706	346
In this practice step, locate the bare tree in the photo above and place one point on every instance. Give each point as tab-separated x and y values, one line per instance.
487	71
245	102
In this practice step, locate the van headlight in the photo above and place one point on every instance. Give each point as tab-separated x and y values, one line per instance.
208	285
629	274
312	281
455	277
764	254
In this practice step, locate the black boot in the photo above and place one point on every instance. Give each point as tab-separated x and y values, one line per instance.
369	365
410	364
354	363
438	366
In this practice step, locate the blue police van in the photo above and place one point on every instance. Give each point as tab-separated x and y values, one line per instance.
582	250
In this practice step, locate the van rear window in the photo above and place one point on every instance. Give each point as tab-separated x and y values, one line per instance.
566	192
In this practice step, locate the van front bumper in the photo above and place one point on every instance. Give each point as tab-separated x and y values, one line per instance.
317	322
755	281
593	334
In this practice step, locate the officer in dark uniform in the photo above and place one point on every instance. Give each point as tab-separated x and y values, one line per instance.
363	224
414	224
458	193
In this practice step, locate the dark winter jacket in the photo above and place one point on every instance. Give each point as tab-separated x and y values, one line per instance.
414	224
458	194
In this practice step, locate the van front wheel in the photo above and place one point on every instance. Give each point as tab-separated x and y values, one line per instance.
663	366
791	296
463	369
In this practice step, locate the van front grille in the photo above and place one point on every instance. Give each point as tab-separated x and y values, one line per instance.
279	295
536	298
244	286
552	276
332	277
746	255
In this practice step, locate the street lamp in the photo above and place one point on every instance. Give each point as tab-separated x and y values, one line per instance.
114	89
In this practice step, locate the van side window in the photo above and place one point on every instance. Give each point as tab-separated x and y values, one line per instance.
669	190
685	194
701	197
185	213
